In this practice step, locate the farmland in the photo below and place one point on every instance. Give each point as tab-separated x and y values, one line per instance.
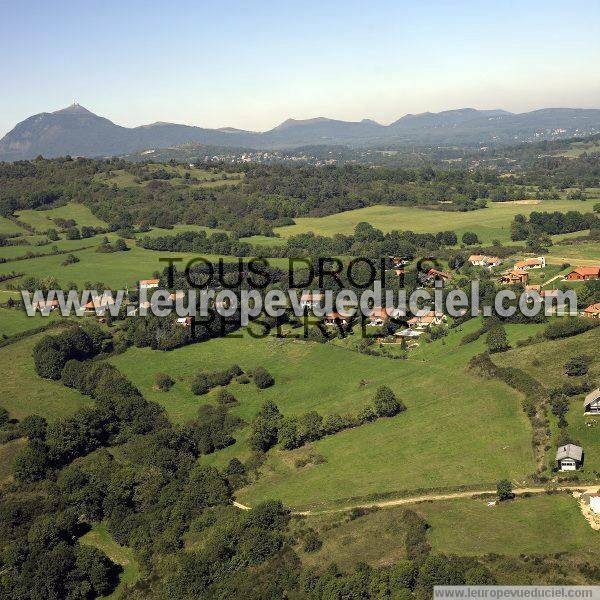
407	452
490	223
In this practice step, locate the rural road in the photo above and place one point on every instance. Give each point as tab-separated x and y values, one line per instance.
435	497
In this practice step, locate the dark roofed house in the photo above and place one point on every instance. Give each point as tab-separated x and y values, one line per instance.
569	457
591	404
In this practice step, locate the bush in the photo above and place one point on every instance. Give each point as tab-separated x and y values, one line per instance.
578	365
568	326
312	541
4	417
385	403
496	339
504	490
224	397
262	378
33	427
163	382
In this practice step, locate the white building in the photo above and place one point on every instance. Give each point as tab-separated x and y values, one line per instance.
569	457
591	404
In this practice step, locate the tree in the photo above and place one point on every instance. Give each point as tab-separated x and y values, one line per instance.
31	463
4	417
496	339
385	403
312	541
33	427
469	238
52	235
72	233
504	490
262	378
577	365
163	381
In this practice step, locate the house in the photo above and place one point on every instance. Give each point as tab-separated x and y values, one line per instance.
98	304
45	305
408	334
184	321
533	288
591	403
398	261
148	284
437	275
310	299
379	314
592	500
592	311
481	260
427	320
531	263
584	274
336	318
515	276
569	457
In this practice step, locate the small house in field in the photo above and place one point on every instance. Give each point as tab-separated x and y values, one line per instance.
148	284
434	275
515	276
482	260
336	318
592	311
45	305
311	299
427	320
569	457
584	274
398	262
379	314
591	403
185	321
533	288
592	500
531	263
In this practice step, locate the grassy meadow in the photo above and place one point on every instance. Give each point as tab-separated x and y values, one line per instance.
24	393
42	220
463	526
425	447
490	223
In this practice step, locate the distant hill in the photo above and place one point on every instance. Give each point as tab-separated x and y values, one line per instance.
79	132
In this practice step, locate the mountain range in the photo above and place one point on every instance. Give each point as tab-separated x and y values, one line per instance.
79	132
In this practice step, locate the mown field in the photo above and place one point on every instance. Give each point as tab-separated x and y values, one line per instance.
545	362
42	220
490	223
7	227
205	179
24	393
463	526
425	447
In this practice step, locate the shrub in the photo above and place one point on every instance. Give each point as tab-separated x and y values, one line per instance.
163	382
568	326
578	365
243	379
225	397
4	418
496	339
312	541
262	378
200	385
385	403
504	490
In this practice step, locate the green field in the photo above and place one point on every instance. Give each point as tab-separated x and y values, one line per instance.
24	393
42	220
425	447
578	148
206	179
100	538
545	362
7	227
489	223
14	320
587	253
462	526
8	452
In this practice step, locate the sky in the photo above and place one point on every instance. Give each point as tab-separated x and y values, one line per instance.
252	65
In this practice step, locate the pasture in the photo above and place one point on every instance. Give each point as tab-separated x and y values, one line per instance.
463	526
24	393
425	447
42	220
492	223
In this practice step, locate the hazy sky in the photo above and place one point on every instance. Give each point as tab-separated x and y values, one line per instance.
253	64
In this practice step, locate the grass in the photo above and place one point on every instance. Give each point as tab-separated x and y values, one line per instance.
14	320
470	527
489	224
424	447
7	227
205	179
42	220
116	270
99	537
545	362
587	253
8	453
24	393
462	526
